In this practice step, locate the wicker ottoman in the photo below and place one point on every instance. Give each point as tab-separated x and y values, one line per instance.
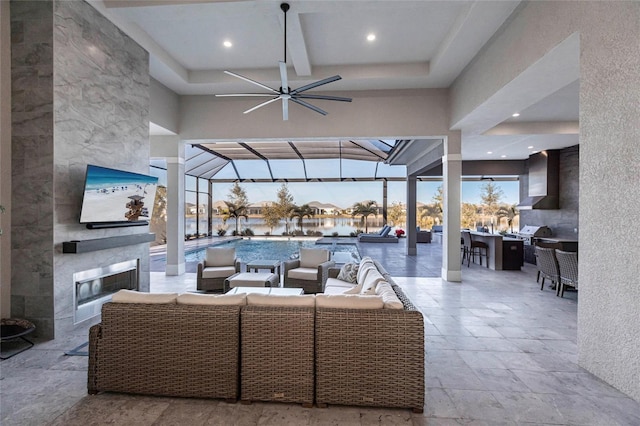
247	279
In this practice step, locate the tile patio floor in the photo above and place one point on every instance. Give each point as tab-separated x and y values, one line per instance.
498	352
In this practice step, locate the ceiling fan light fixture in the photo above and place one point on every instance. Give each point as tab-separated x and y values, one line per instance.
285	94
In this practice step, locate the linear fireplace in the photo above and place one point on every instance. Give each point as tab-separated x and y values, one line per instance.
94	287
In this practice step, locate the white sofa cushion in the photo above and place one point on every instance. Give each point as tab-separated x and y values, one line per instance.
370	281
349	272
335	290
389	297
218	271
131	296
334	282
217	256
311	258
305	300
349	301
212	299
309	274
365	260
363	270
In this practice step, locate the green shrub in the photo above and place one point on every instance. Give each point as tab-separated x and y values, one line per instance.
248	232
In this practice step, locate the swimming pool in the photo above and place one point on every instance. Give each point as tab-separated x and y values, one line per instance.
249	250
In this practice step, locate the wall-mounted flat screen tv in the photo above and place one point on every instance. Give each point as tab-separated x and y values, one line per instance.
116	196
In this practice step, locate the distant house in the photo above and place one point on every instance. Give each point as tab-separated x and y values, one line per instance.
324	208
257	208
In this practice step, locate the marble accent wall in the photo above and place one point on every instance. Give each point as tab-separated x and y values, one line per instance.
564	220
97	103
32	163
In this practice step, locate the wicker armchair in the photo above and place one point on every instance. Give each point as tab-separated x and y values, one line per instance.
219	264
548	266
568	267
310	271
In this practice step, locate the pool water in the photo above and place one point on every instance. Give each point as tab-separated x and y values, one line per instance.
255	249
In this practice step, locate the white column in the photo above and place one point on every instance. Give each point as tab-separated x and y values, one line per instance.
172	149
411	216
451	177
175	215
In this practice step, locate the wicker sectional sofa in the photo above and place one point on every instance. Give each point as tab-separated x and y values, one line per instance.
282	348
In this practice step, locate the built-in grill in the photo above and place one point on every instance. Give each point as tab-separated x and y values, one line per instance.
529	232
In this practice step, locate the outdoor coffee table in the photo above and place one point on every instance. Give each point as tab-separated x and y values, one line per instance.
247	279
280	291
272	265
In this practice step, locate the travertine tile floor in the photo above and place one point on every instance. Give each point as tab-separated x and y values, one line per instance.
498	352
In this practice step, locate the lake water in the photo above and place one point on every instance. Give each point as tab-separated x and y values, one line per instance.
249	250
342	225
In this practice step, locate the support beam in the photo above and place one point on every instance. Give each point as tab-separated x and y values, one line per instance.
452	170
411	216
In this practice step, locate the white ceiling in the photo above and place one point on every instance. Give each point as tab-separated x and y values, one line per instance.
419	44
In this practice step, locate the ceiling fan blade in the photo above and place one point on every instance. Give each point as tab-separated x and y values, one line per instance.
261	105
248	80
226	95
283	77
285	109
325	97
316	84
308	105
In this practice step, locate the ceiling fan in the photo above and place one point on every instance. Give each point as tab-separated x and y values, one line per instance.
285	93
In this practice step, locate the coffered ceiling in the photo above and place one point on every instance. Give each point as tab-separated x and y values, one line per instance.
418	44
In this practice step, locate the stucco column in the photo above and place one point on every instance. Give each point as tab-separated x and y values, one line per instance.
411	215
451	177
175	214
172	149
5	160
384	203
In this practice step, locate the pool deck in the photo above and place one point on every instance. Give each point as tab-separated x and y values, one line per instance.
427	262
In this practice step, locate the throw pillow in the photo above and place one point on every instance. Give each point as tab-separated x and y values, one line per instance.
349	272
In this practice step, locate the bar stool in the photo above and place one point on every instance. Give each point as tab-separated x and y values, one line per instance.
474	248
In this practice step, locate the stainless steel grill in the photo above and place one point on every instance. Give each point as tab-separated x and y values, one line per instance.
529	232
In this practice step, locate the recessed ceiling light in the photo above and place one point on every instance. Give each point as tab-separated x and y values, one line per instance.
516	114
530	147
489	152
503	156
227	43
535	152
371	37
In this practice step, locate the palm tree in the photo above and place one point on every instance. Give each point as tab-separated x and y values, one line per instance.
236	211
510	212
365	210
301	212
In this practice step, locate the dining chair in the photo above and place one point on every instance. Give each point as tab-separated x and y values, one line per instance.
548	266
568	270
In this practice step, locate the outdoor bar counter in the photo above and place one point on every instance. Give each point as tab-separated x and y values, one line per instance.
504	253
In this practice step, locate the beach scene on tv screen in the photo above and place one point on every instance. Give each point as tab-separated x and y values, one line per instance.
117	196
